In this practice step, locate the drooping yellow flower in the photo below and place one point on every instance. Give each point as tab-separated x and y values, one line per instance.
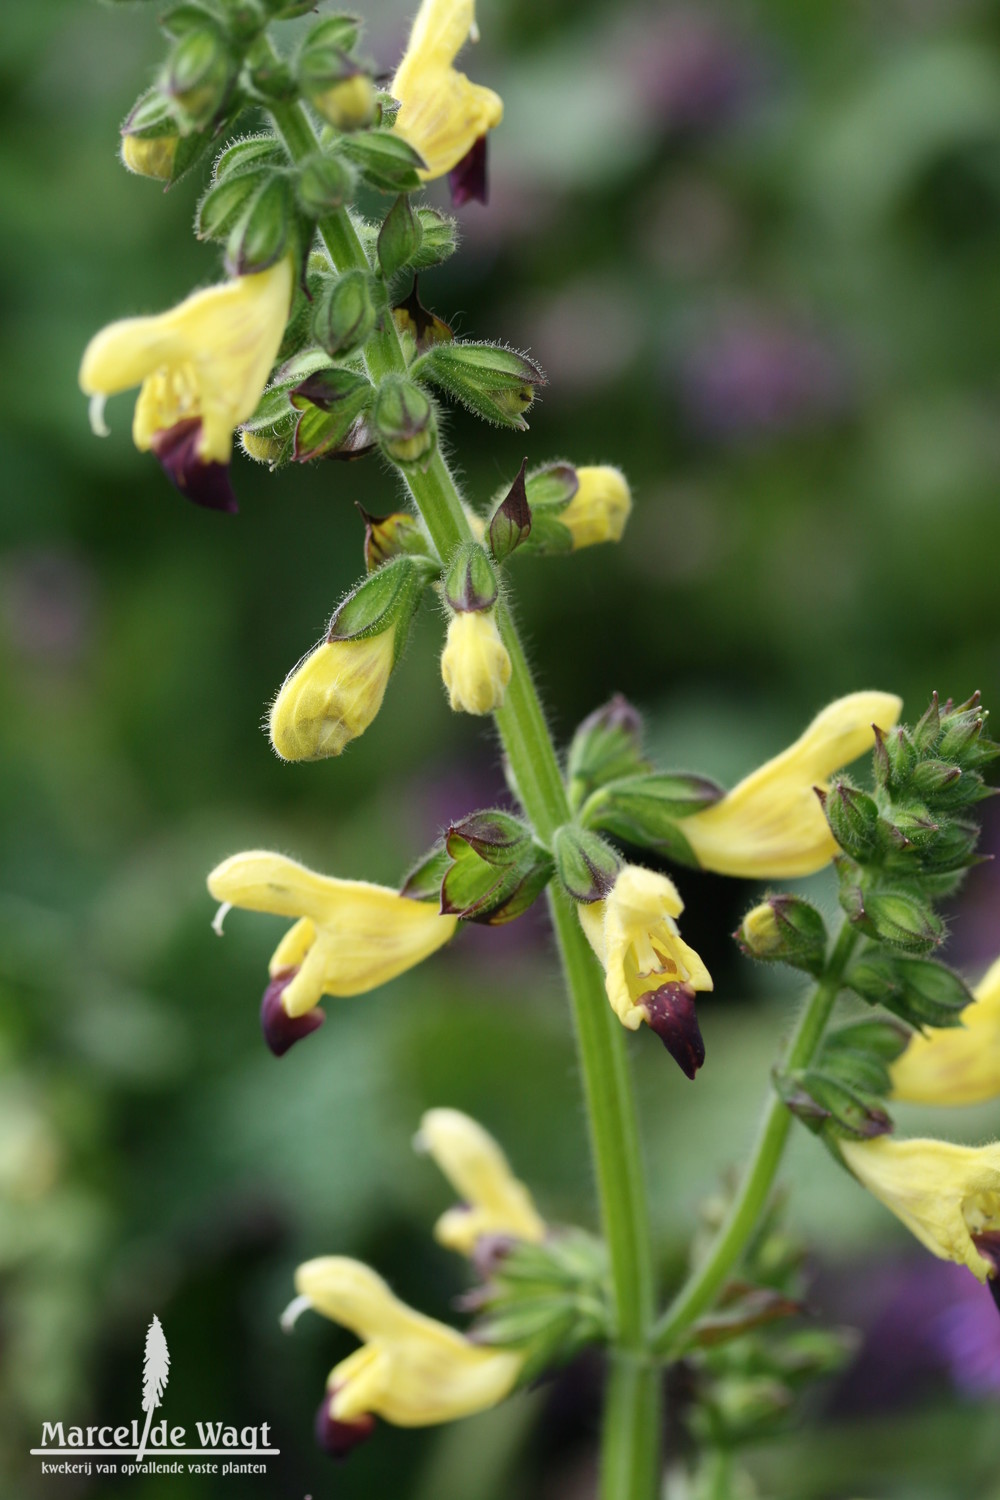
948	1196
474	663
494	1201
351	936
651	974
600	508
956	1065
411	1370
771	826
332	696
202	367
442	115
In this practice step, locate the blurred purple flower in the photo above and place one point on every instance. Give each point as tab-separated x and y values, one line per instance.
759	375
693	71
46	615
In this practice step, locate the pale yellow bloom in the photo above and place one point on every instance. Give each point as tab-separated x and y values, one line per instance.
771	826
205	361
599	509
442	115
150	156
474	663
332	696
956	1065
351	936
948	1196
411	1370
646	962
493	1200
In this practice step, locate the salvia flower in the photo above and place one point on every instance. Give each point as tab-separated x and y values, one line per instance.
442	115
771	826
411	1370
494	1201
651	974
332	696
350	936
957	1065
948	1196
202	368
600	507
475	665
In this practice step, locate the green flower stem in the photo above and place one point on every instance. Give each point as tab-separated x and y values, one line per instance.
630	1461
705	1282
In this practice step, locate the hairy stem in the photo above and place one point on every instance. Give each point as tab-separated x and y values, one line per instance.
702	1287
631	1433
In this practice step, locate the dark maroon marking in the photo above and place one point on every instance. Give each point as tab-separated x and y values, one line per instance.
339	1438
206	484
281	1030
467	180
671	1014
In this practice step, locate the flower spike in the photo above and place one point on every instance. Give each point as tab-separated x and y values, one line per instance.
771	826
494	1201
442	115
202	368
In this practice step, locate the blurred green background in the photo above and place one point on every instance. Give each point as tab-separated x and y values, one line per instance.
757	250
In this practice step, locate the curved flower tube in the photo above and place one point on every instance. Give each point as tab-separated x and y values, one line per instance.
957	1065
948	1196
651	974
771	826
494	1202
411	1369
202	368
350	936
442	115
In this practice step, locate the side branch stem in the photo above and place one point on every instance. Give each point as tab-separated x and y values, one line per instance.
630	1449
703	1286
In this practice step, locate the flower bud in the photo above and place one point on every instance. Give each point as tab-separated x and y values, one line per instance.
266	231
150	156
198	75
346	314
438	241
894	916
471	583
335	85
510	524
385	160
474	664
404	421
853	817
495	383
785	929
399	238
921	991
262	447
495	870
326	183
588	867
599	509
151	145
829	1106
607	745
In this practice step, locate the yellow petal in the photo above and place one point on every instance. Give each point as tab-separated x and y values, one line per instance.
494	1200
441	114
475	666
414	1371
771	826
331	697
944	1194
599	509
957	1065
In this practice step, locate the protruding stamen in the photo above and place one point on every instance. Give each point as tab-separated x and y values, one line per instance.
220	916
293	1313
95	414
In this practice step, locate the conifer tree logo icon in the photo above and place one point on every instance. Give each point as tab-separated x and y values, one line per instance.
155	1373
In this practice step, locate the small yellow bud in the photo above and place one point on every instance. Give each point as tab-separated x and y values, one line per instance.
474	664
599	509
260	446
759	931
331	697
150	156
348	104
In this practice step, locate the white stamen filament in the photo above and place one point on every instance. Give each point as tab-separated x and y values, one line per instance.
293	1312
95	412
220	917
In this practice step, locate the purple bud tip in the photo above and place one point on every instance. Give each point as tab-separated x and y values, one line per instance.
490	1252
206	484
671	1014
281	1030
339	1438
467	180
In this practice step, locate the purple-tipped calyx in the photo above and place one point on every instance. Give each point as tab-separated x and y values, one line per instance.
670	1012
205	483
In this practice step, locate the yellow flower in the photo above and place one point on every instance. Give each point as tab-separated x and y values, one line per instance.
599	509
442	115
332	696
410	1370
948	1196
150	156
494	1201
202	367
351	936
651	974
771	826
474	664
959	1065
